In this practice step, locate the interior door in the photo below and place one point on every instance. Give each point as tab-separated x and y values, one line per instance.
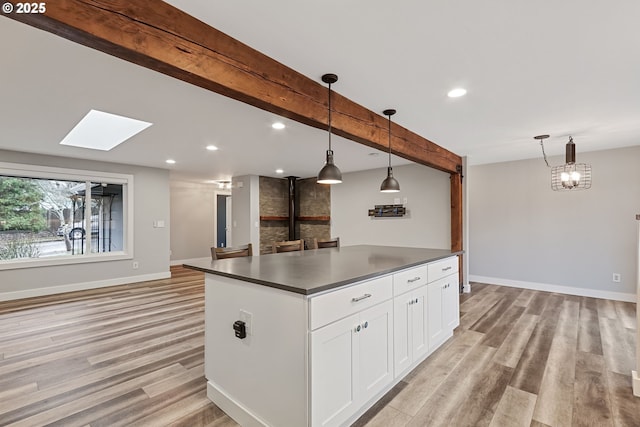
228	223
223	220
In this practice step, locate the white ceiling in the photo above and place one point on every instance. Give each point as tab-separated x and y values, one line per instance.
560	68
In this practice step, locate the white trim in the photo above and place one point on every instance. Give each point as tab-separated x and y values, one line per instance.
21	170
187	261
29	293
18	263
48	172
235	410
636	383
569	290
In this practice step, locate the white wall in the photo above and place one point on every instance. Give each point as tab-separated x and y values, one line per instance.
151	245
524	234
192	220
245	211
428	195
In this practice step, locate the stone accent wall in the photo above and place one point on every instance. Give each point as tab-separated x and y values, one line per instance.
274	201
313	200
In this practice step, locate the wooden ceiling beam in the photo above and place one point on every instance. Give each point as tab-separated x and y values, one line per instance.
158	36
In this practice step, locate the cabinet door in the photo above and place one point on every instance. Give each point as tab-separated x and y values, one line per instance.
451	307
435	301
375	340
333	391
419	323
402	343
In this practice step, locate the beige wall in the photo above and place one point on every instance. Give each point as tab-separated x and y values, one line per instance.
523	233
192	220
428	223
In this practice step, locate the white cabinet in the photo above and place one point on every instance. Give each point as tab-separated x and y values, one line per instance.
351	362
442	309
451	303
410	323
332	375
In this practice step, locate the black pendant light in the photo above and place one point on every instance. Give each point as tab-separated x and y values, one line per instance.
390	184
329	174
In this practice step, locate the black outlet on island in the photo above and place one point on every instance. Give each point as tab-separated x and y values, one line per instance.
240	328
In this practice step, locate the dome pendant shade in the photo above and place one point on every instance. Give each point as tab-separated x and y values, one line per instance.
329	174
390	184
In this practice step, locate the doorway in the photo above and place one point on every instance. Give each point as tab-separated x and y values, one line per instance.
223	220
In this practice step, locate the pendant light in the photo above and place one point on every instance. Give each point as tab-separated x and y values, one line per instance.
571	175
329	174
390	184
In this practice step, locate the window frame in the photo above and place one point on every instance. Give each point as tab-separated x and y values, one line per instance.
64	174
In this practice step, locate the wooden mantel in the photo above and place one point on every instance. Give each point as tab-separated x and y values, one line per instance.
158	36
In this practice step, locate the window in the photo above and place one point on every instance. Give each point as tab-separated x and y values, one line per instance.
52	216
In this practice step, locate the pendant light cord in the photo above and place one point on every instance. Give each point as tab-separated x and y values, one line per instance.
329	116
544	154
389	140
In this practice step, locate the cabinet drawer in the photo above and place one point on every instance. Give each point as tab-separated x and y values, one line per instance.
407	280
335	305
443	268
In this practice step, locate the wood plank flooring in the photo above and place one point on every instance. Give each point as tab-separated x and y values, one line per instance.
133	355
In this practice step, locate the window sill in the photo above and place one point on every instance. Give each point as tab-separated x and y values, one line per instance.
62	260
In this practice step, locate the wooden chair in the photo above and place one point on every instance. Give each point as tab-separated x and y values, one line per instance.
327	243
287	246
236	252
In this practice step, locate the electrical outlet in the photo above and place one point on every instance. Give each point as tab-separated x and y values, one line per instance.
616	277
135	265
247	318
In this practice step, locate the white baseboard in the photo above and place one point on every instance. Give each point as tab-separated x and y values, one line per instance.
38	292
636	383
235	410
466	288
569	290
185	261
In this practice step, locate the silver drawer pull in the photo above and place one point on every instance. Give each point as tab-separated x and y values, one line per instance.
415	279
365	296
447	268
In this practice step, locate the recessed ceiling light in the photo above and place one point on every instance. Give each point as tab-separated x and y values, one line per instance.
457	92
212	147
103	131
279	171
170	161
278	125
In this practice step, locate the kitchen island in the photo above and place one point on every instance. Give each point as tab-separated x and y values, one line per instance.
315	338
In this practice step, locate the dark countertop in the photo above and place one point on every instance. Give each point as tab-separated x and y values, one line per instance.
312	271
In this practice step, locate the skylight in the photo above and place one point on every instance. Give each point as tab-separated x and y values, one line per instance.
103	131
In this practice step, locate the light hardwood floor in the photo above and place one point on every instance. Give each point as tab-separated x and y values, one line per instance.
133	355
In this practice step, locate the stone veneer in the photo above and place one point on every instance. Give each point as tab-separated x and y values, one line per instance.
313	200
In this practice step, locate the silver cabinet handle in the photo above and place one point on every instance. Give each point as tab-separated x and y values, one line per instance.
365	296
365	325
446	268
415	279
